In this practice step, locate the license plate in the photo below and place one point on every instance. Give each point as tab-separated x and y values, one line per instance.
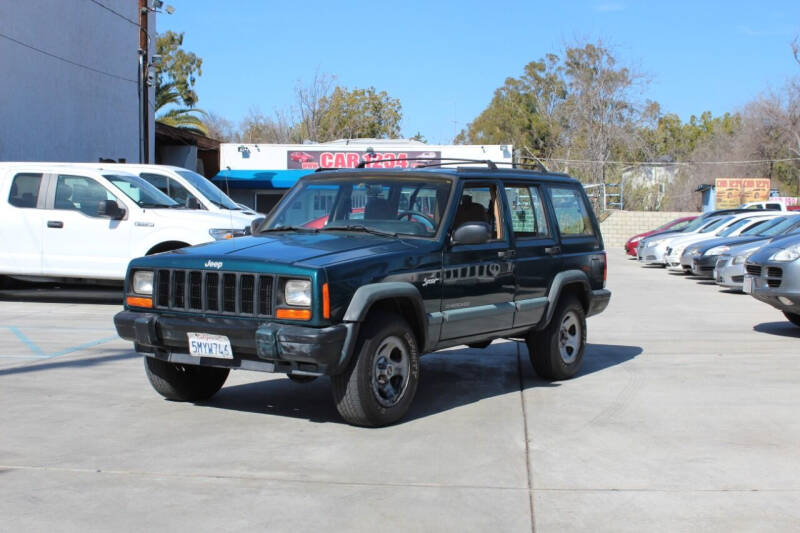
747	285
207	345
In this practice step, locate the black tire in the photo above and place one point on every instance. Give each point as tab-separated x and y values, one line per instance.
184	383
794	318
372	391
545	347
297	378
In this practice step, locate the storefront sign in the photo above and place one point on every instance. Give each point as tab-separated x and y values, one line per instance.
312	159
733	192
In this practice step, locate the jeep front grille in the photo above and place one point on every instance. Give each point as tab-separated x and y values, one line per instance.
202	291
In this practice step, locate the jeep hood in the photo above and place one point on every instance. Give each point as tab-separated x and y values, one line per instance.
301	249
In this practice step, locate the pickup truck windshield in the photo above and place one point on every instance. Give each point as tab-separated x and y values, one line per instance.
140	191
209	190
382	205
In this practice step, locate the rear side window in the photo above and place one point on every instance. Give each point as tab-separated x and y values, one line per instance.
168	186
571	212
25	190
527	211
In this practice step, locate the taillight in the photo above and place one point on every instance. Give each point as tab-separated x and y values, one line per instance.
605	268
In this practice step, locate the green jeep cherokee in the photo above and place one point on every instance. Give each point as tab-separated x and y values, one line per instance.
358	272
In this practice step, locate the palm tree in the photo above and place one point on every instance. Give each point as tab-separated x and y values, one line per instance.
179	117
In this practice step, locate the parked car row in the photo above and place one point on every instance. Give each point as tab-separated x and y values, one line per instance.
757	252
86	221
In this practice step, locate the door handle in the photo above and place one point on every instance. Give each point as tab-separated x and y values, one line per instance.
55	224
507	254
552	250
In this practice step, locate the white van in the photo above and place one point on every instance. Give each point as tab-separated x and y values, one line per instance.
71	221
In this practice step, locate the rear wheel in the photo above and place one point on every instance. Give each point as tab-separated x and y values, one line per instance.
184	383
556	352
381	379
794	318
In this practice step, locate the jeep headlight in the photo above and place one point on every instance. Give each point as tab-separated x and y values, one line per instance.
143	282
223	233
787	254
717	250
739	259
297	292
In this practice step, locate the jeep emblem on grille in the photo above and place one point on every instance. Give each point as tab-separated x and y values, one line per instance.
213	264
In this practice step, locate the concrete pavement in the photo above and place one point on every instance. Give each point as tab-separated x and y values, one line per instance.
684	417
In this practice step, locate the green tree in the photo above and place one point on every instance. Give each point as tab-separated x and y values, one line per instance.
359	113
176	75
523	111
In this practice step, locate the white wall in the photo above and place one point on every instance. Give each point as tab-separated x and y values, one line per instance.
274	156
51	110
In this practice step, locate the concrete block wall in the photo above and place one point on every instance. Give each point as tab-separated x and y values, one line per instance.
622	225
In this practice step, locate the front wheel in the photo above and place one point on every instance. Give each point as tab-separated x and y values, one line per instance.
184	383
794	318
556	352
379	383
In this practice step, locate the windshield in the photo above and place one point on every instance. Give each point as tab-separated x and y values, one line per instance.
695	224
736	225
141	192
392	205
715	225
209	190
758	229
782	227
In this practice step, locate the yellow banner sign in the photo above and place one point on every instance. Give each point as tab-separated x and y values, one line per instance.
733	192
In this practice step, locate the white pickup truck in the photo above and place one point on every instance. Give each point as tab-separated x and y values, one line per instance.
75	222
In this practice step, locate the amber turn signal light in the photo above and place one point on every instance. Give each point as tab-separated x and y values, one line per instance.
326	301
135	301
293	314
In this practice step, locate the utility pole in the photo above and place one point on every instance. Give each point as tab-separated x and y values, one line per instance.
144	65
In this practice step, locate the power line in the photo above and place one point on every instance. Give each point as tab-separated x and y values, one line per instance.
65	60
117	13
666	164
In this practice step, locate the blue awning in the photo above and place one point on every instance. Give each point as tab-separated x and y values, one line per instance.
258	179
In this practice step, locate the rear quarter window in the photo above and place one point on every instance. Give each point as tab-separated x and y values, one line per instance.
25	190
571	211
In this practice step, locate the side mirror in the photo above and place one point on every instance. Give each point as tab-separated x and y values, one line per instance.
192	203
256	224
110	209
472	233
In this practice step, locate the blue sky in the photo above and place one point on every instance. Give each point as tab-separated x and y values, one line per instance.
443	60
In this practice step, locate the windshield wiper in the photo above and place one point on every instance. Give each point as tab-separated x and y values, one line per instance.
365	229
290	228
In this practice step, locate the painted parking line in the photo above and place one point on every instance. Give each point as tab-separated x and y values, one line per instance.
38	353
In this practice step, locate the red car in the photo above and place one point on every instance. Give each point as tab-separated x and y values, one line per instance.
301	157
674	225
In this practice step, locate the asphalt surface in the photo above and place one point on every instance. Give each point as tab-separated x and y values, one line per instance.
685	417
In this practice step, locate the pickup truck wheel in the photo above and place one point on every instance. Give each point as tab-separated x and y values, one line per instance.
379	383
794	318
297	378
184	383
557	351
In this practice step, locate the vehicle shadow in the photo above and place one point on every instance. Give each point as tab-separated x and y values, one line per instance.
64	294
781	329
704	281
52	364
449	380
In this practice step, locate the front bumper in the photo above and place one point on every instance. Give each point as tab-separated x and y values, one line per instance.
264	346
728	275
651	255
703	266
771	288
